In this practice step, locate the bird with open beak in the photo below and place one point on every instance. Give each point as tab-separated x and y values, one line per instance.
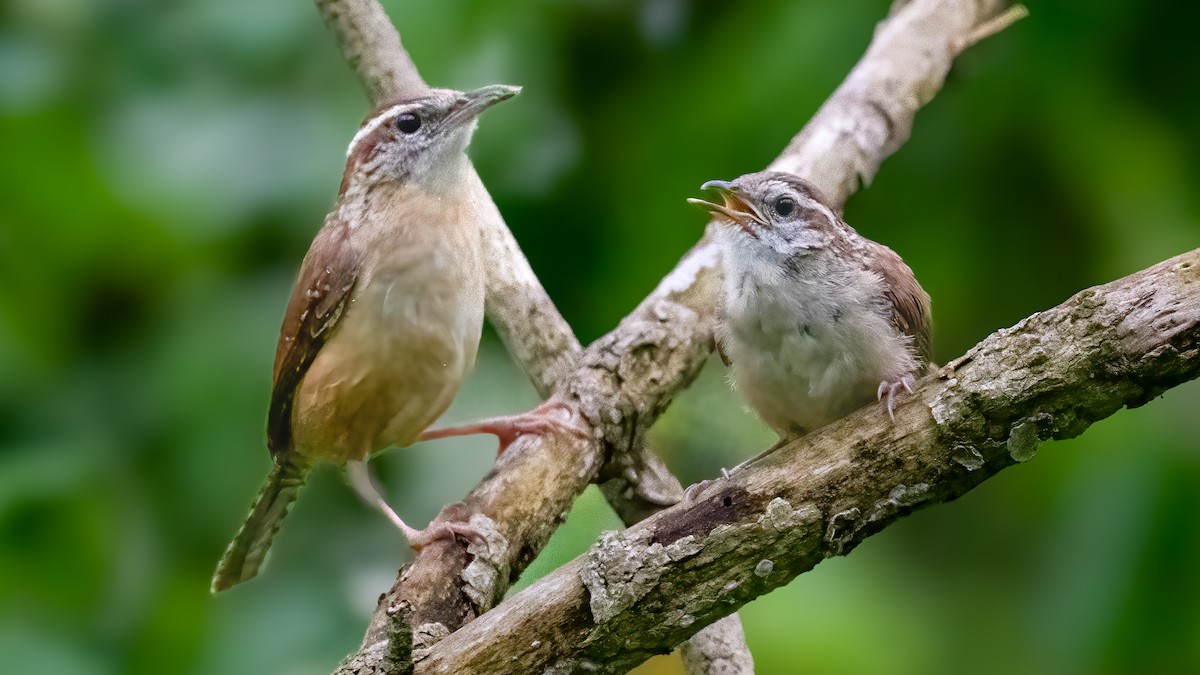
816	320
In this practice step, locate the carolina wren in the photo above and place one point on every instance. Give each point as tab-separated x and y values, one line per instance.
385	317
817	319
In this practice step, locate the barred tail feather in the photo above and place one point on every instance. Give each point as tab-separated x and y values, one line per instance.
249	547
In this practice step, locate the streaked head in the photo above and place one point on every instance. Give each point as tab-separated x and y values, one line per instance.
774	209
415	138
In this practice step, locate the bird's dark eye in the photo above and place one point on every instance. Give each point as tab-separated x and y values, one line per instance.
408	122
784	206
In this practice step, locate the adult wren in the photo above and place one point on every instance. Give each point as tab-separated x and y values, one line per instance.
385	317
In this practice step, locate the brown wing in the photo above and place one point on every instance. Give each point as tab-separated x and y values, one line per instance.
909	302
327	277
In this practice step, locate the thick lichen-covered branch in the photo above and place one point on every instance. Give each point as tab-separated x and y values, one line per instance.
642	591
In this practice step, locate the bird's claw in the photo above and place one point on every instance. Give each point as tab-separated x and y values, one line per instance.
540	420
444	530
695	490
509	428
891	389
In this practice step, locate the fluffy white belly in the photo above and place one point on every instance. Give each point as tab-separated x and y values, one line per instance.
802	367
805	383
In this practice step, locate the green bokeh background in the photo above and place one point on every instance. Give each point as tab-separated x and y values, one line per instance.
165	164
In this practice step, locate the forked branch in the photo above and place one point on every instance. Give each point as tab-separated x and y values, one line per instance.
623	382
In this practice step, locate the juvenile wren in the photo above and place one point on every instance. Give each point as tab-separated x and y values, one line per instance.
817	320
385	317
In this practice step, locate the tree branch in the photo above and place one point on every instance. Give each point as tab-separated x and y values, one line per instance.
642	591
371	45
871	114
623	382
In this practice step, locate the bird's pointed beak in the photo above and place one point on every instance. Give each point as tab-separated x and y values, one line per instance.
471	103
734	211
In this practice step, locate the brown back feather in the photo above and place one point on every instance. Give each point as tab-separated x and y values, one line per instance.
910	303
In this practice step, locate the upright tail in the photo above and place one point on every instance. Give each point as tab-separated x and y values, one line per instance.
249	547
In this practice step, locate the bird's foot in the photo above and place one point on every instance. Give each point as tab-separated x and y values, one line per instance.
889	391
419	539
508	428
694	490
360	479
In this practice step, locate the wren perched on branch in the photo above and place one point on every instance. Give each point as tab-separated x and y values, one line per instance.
385	318
817	319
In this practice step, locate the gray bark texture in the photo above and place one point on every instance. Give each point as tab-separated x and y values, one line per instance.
639	592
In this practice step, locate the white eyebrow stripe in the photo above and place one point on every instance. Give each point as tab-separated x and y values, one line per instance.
373	124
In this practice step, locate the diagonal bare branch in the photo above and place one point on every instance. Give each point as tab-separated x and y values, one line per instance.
871	114
371	45
639	592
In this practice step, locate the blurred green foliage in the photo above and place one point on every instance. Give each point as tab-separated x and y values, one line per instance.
165	165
